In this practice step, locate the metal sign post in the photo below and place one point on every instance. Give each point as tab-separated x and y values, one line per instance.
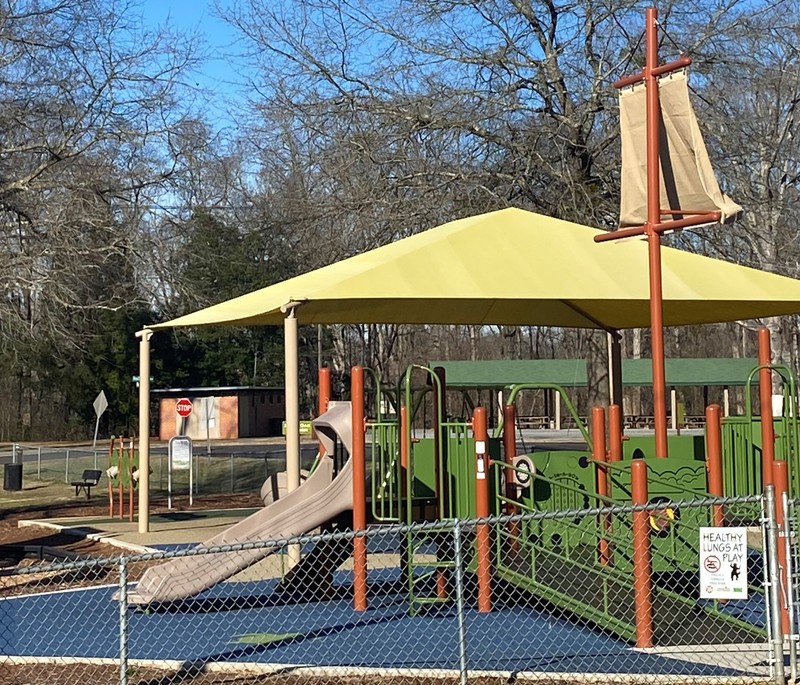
209	416
180	459
100	404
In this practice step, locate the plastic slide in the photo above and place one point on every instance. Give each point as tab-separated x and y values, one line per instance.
319	499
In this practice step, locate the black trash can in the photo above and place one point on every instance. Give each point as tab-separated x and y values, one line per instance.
12	477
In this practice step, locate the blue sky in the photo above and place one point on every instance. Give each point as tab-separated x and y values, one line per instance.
222	71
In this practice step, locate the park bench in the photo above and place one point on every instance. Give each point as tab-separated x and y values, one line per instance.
89	479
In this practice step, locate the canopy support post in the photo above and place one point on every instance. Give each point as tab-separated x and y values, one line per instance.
144	429
292	409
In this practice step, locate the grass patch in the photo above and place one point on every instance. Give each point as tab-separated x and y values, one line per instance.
264	638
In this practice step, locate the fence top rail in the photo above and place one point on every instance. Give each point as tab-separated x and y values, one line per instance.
443	526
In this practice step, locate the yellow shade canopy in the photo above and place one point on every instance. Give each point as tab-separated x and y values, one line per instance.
511	267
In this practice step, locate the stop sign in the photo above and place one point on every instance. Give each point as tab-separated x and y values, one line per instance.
183	407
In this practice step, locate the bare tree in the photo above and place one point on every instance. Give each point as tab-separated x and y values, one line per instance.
87	101
375	120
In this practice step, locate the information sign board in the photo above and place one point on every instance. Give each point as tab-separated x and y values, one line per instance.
179	459
723	563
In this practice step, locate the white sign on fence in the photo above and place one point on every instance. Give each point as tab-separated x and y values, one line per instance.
723	563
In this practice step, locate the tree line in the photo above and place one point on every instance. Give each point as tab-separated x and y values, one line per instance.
122	202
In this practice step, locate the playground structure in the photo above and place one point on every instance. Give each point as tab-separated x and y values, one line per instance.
122	475
631	571
632	574
618	572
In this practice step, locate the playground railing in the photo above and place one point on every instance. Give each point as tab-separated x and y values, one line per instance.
537	614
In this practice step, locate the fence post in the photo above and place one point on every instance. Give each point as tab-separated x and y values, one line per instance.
459	589
39	463
123	620
788	544
765	400
642	577
66	469
774	584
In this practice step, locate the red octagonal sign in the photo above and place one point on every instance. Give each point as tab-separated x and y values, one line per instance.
183	407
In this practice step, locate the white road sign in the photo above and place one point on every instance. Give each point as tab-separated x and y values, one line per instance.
723	563
100	404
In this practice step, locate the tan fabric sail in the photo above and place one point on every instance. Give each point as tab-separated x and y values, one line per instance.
687	179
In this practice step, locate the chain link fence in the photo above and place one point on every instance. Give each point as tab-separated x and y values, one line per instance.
217	470
611	595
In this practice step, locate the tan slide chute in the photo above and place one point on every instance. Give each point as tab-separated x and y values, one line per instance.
687	179
320	498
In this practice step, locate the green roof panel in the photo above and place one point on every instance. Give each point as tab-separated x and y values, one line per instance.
571	373
499	373
697	372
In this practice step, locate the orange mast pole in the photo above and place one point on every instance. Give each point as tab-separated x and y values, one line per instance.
654	227
653	238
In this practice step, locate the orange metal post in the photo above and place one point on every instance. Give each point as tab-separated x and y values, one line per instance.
642	575
121	487
765	396
653	238
615	434
780	476
714	460
509	452
509	449
324	376
359	489
714	464
482	509
601	471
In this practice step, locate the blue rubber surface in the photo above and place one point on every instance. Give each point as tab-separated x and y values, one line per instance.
325	633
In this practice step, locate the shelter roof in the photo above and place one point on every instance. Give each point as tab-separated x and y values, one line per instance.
500	373
697	372
571	373
511	267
